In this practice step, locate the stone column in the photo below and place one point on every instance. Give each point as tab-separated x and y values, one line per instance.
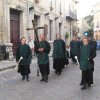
1	21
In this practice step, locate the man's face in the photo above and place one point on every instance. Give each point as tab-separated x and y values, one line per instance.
75	39
42	37
23	41
85	42
58	36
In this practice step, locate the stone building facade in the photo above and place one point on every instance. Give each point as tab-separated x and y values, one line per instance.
83	26
57	16
97	21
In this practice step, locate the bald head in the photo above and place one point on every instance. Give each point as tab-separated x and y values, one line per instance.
42	37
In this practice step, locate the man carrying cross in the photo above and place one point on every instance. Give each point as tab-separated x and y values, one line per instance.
42	49
43	58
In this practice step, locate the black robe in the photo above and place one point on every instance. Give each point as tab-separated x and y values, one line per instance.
75	50
58	55
24	65
88	67
43	57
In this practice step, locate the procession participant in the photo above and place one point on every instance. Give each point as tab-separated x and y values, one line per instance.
59	50
94	44
24	65
87	54
43	58
71	43
75	49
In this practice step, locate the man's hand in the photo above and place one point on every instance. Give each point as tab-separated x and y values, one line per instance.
41	49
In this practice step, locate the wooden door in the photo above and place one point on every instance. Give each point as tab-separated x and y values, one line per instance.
14	29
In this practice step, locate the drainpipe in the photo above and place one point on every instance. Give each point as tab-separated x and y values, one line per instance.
70	31
28	19
55	19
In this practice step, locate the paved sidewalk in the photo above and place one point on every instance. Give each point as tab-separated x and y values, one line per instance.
64	87
6	64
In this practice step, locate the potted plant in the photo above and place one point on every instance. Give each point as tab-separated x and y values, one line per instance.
66	37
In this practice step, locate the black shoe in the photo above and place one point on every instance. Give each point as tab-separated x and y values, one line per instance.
42	80
23	78
56	72
46	81
81	84
83	87
89	85
46	78
27	78
59	73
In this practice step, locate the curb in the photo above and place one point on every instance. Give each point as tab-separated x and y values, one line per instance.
7	68
14	65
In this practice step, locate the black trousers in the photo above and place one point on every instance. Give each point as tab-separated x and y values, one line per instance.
87	77
24	69
58	64
44	69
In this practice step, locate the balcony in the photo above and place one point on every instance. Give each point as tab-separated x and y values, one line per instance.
71	15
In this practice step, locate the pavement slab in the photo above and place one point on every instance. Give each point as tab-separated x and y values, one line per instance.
64	87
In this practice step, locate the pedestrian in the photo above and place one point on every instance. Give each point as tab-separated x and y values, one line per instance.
43	58
31	45
94	44
87	54
98	44
71	43
24	65
75	46
59	50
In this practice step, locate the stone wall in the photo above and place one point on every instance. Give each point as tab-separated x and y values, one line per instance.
29	8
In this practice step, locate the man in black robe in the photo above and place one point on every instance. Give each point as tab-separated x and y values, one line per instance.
75	46
86	63
43	50
94	44
24	51
59	50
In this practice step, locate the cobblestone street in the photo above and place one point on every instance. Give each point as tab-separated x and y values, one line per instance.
64	87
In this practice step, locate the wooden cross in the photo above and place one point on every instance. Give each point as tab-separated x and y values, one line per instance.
35	29
36	34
